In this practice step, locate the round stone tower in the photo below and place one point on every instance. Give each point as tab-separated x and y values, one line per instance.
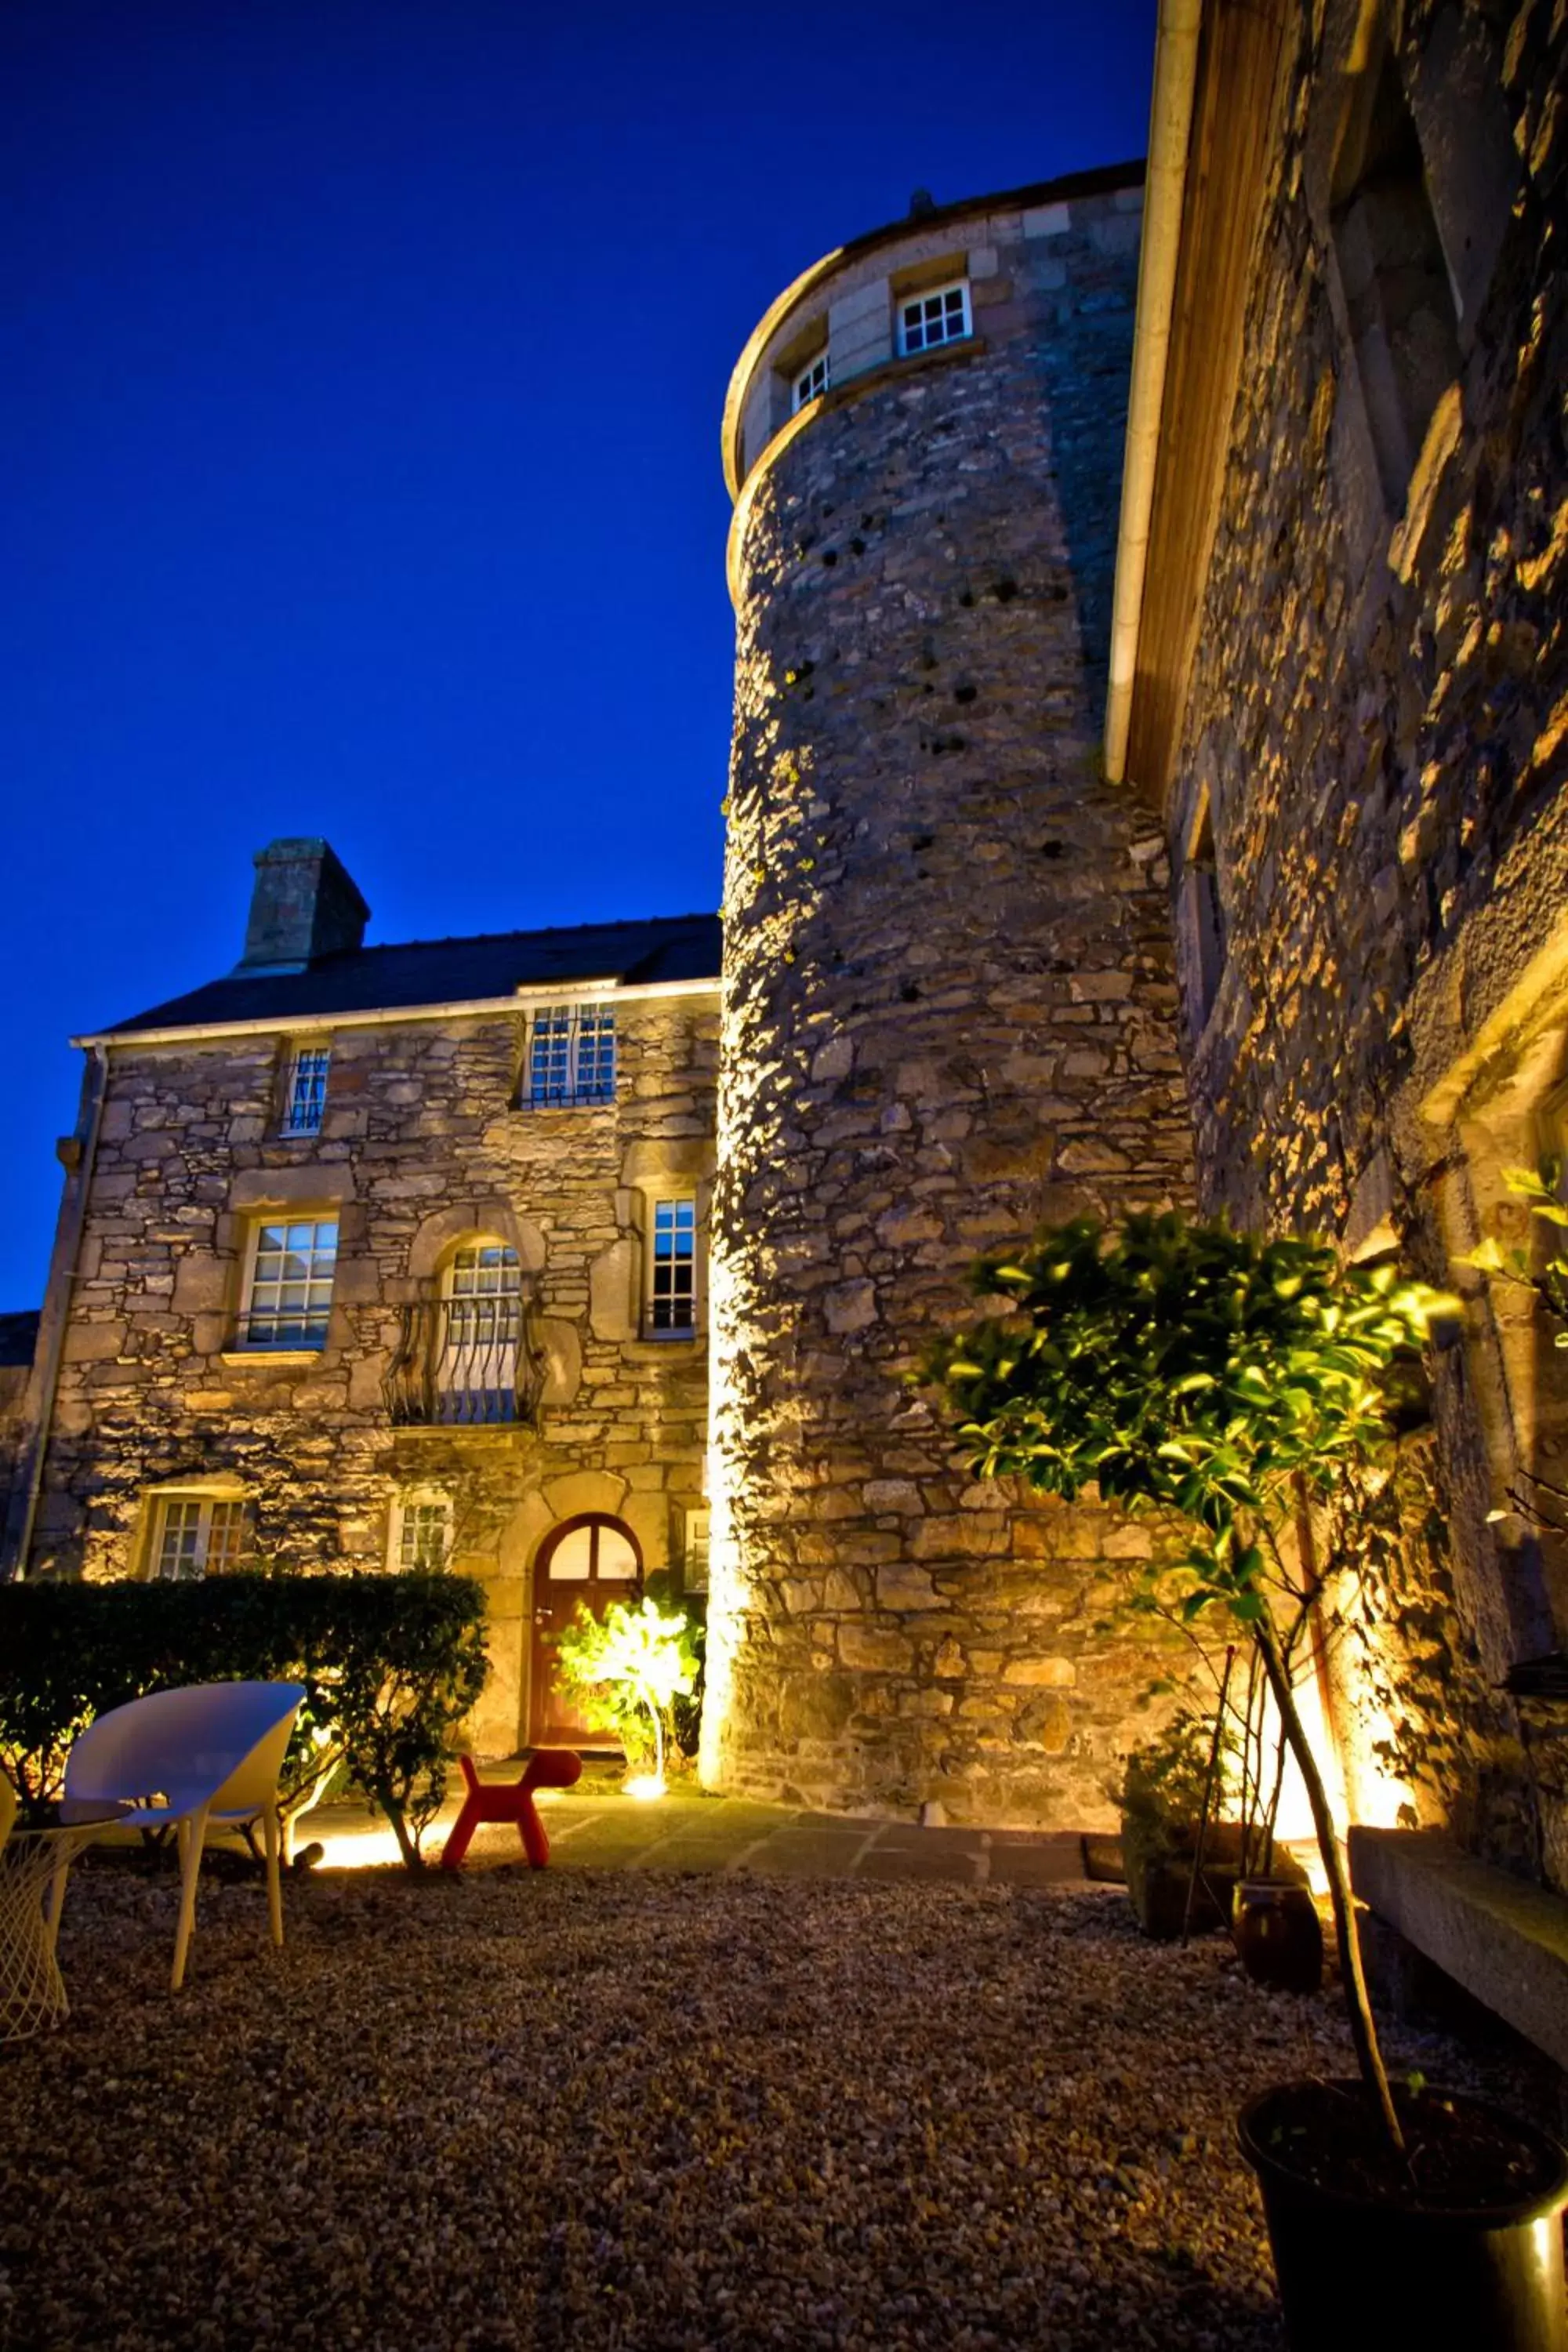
949	1001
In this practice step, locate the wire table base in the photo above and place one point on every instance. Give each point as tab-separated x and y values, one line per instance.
31	1991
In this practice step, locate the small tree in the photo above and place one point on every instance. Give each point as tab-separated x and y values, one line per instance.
1220	1377
629	1665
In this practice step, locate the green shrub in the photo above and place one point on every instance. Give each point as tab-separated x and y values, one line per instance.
391	1665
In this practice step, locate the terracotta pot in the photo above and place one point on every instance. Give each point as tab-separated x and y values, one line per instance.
1360	2275
1275	1926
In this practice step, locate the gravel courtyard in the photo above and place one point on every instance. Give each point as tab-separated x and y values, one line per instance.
625	2108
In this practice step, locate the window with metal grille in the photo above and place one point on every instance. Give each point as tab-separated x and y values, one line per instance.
812	383
289	1294
939	317
672	1301
199	1534
305	1098
424	1532
572	1056
482	1329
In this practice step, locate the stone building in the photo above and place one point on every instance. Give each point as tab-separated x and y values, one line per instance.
391	1255
1148	786
1340	676
18	1343
950	999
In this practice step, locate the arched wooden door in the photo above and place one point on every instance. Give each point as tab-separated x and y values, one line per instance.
591	1561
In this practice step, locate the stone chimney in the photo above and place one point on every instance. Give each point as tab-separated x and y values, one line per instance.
304	905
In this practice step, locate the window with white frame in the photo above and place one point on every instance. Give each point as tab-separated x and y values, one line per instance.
811	383
289	1287
198	1535
482	1329
926	321
572	1056
695	1552
422	1531
305	1096
672	1284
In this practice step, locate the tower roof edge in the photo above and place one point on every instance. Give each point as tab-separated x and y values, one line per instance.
1103	179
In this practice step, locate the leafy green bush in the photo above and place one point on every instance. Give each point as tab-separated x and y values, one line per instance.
391	1665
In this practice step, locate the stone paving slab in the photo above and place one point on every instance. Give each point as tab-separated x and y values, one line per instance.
596	1826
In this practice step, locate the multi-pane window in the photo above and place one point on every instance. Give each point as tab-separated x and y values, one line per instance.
424	1532
939	317
572	1056
305	1098
812	383
672	1303
290	1290
198	1535
482	1329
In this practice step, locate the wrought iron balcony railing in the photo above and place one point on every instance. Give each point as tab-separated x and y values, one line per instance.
466	1364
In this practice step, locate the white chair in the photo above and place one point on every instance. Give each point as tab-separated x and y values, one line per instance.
209	1753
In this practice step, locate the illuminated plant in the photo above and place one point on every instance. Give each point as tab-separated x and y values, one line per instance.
1222	1378
629	1665
1540	1189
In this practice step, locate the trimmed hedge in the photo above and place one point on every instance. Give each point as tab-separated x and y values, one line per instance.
391	1665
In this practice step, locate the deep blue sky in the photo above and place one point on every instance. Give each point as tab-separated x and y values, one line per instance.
361	369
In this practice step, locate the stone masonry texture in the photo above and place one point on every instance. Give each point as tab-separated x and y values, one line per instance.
421	1144
949	1017
1379	713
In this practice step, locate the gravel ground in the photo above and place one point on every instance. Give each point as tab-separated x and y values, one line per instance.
614	2109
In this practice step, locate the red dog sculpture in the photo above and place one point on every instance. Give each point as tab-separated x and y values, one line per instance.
511	1800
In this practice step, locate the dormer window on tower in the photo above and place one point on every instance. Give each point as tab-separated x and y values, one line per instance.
926	321
571	1055
812	382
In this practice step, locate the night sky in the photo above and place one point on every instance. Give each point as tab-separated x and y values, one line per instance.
361	371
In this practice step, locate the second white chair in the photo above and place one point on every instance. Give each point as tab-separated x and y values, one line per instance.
209	1753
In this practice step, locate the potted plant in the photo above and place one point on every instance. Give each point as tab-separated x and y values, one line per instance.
1198	1849
1233	1382
1179	1854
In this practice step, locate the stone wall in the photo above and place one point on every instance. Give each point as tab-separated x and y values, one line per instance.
1378	717
949	1016
18	1337
421	1144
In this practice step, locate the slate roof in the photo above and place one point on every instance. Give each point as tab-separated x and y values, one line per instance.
448	971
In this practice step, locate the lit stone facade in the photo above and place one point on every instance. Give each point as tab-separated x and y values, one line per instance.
949	1010
969	985
423	1143
1363	764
